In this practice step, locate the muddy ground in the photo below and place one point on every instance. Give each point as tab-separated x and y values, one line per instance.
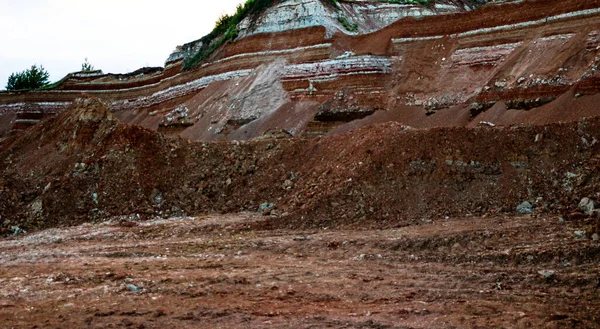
217	271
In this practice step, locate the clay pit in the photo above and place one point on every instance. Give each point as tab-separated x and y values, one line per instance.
415	173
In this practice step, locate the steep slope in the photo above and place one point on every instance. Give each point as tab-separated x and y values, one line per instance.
423	66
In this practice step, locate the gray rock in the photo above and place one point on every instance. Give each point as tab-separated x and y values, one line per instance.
580	234
595	237
525	208
565	263
133	288
156	197
37	206
547	274
571	175
265	206
17	230
586	206
301	238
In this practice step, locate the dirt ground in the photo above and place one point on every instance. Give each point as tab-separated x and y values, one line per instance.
217	271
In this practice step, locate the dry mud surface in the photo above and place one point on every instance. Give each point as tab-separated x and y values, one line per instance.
219	271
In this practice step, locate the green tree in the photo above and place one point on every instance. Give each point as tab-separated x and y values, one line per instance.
86	66
32	78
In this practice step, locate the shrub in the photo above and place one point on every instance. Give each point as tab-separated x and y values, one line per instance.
32	78
86	66
352	27
226	30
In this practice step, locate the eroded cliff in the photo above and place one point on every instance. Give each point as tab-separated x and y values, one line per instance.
328	68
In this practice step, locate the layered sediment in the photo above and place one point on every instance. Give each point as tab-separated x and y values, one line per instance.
422	66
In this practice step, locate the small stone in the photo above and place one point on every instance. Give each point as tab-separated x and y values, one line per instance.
586	205
288	184
17	230
486	123
265	206
580	234
571	175
525	208
133	288
500	84
301	238
547	274
595	237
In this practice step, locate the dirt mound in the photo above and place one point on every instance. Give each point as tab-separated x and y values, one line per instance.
86	166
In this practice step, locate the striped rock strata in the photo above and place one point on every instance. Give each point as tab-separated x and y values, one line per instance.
296	67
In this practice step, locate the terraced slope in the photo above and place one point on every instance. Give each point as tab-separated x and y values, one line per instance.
435	171
296	67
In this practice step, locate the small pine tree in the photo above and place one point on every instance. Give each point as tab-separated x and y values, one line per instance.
32	78
86	66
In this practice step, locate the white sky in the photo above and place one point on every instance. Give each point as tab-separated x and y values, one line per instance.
117	36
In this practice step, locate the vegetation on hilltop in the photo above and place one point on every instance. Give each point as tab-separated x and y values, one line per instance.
86	66
33	78
226	29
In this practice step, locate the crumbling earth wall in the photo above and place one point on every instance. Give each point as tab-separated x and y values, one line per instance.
86	165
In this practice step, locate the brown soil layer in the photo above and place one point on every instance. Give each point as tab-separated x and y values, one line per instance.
214	272
85	165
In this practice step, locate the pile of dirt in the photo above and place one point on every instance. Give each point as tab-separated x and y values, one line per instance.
86	165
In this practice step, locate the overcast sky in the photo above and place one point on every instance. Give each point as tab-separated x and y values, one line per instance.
117	36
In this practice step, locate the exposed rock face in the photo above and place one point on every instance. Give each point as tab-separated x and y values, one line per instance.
289	15
298	67
368	15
